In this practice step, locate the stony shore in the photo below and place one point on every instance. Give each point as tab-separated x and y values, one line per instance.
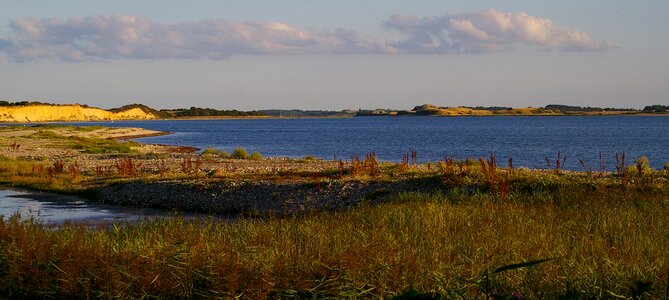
183	179
251	197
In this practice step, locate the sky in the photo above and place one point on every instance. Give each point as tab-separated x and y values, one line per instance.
335	54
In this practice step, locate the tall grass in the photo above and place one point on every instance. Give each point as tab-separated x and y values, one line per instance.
601	242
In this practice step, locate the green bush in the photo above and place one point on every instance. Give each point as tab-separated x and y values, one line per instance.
666	168
256	155
240	153
216	152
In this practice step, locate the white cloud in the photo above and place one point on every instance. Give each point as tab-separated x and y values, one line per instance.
129	37
486	31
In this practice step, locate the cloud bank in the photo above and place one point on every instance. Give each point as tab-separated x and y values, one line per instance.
486	31
128	37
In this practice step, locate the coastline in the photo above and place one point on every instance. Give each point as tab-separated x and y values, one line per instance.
178	177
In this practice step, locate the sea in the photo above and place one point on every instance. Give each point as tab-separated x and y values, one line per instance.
581	143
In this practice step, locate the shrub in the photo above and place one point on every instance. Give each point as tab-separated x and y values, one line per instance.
216	152
642	165
256	155
240	153
666	168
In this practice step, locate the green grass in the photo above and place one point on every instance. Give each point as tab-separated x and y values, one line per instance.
85	144
216	152
97	145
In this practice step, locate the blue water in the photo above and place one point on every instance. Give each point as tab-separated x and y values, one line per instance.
527	140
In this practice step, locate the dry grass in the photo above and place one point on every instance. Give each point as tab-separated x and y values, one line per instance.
602	242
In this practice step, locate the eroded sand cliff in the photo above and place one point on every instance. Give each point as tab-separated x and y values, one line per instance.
74	112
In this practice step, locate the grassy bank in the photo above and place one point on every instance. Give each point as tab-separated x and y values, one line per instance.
602	243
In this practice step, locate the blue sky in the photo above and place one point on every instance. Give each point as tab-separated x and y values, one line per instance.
335	54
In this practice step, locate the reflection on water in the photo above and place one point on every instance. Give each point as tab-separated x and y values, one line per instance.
57	209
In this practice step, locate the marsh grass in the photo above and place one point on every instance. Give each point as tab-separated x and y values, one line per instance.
97	145
601	242
40	175
85	144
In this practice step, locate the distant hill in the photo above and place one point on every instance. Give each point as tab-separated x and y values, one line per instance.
210	112
142	107
433	110
44	112
548	110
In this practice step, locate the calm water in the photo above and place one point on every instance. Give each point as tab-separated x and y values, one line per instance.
56	209
528	140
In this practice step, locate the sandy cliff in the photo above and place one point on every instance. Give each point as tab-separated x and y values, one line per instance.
74	112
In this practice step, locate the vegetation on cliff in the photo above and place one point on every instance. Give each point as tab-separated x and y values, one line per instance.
210	112
142	107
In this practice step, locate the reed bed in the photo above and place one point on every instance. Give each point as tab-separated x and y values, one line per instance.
601	243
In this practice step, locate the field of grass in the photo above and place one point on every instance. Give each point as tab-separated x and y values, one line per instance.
600	243
603	237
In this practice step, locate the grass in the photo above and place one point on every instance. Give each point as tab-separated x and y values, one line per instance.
53	176
215	152
85	144
255	155
240	153
601	243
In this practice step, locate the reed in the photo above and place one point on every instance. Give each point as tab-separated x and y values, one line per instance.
127	167
603	242
190	165
14	146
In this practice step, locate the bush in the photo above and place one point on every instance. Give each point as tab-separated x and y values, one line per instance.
256	155
240	153
642	165
666	168
216	152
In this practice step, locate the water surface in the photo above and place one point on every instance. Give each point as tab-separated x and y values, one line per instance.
527	140
52	208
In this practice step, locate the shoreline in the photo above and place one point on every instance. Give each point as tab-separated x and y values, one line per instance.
178	177
203	118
